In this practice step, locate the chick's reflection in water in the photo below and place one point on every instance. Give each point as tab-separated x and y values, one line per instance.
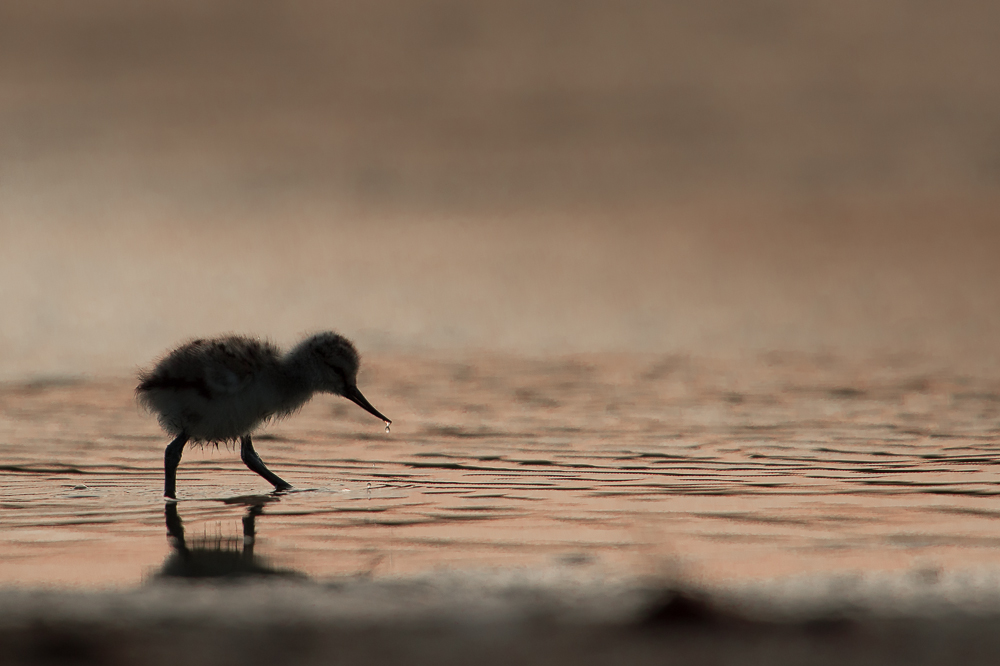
217	556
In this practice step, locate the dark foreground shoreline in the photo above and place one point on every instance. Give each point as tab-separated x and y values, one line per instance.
455	622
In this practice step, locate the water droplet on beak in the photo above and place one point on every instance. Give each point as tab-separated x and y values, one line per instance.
387	427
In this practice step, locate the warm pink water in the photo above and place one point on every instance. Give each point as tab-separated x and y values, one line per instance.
714	471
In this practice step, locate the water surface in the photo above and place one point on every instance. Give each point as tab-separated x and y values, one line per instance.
717	472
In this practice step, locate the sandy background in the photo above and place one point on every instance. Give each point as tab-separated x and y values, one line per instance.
711	178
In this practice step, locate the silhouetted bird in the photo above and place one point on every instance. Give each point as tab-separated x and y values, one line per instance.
220	390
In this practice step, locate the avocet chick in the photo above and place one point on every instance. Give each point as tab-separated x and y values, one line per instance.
222	389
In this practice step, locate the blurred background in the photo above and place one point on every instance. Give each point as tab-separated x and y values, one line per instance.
542	177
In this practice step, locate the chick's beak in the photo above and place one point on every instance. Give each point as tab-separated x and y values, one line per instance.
354	395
